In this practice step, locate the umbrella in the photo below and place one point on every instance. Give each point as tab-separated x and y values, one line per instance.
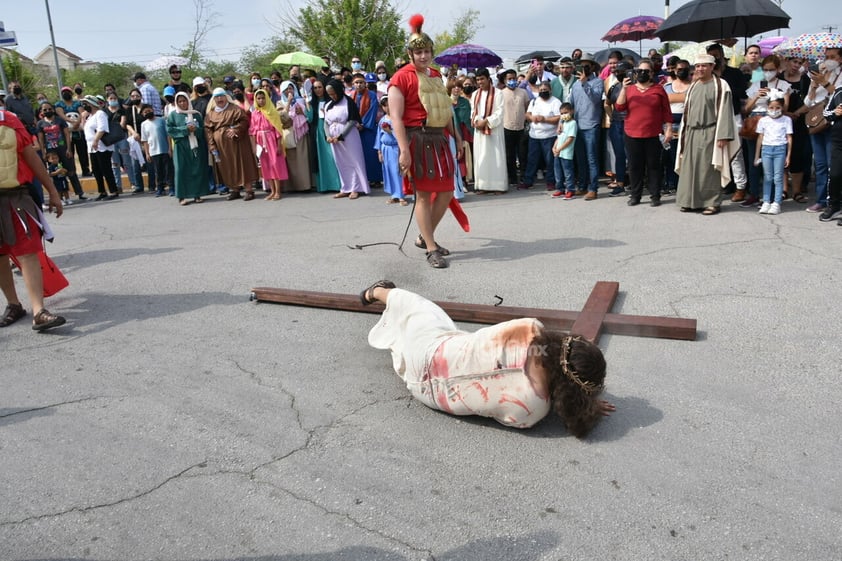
468	56
634	29
300	59
546	55
809	45
700	20
766	45
602	56
164	62
689	51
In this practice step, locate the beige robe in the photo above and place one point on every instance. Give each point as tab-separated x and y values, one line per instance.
237	166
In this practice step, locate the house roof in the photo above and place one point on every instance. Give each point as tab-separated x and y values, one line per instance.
62	50
9	52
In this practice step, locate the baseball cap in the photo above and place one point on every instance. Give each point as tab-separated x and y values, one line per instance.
66	89
198	81
228	79
371	77
169	90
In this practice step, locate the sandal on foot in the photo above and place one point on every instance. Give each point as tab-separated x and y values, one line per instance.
183	202
249	196
403	202
436	259
45	320
799	198
421	244
13	313
711	210
198	200
367	295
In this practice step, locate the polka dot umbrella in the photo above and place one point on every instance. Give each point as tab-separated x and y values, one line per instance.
809	45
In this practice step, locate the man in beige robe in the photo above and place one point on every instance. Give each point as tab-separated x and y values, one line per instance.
707	142
227	133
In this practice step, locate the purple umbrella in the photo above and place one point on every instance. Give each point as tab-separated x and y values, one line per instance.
467	55
766	45
634	29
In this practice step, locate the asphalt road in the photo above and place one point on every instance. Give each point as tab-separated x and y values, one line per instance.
173	419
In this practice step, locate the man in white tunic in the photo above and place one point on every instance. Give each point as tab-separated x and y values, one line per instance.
490	175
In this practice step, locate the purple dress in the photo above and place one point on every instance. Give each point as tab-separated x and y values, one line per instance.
348	152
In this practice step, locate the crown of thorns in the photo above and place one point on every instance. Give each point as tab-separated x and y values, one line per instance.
566	349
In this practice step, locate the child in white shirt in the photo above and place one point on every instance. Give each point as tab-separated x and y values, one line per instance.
774	147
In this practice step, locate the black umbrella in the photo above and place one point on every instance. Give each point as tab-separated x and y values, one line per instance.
546	55
602	56
701	20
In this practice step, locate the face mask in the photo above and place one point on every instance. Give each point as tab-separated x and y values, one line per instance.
356	65
769	74
277	83
67	96
49	114
78	91
642	76
239	96
255	83
469	90
544	95
382	76
511	84
682	74
831	65
566	116
169	98
113	103
16	90
201	90
774	113
134	102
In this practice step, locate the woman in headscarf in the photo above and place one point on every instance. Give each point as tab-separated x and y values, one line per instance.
293	112
226	130
266	133
327	178
185	126
341	120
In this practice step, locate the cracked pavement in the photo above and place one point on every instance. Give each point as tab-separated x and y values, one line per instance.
173	419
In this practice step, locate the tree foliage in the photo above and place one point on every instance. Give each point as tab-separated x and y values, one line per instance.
94	79
17	71
259	57
464	29
341	29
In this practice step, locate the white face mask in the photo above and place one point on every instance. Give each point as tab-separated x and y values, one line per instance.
831	65
382	76
770	75
774	113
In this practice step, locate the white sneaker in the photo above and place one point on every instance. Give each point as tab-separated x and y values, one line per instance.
67	202
775	209
764	208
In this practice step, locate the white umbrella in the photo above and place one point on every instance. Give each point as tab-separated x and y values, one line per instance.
164	62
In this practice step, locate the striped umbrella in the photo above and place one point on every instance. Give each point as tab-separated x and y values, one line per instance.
809	45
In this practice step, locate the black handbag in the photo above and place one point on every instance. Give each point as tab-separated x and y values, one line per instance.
115	133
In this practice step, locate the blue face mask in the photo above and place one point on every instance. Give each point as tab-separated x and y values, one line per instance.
511	83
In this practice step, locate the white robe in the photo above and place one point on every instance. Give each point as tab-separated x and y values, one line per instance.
490	172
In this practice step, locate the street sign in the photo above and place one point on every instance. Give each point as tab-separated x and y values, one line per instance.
8	39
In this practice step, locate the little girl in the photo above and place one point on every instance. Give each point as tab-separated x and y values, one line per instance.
387	152
774	146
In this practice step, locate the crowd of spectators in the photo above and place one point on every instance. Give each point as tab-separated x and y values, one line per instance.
575	123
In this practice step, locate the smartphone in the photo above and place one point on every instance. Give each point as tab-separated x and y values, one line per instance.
764	84
579	69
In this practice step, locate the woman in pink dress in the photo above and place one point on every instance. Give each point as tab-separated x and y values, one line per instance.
266	133
514	372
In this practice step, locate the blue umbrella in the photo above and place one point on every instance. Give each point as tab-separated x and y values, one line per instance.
467	55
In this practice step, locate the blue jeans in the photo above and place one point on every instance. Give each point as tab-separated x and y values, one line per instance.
120	158
564	176
617	135
821	155
587	158
774	158
136	175
540	149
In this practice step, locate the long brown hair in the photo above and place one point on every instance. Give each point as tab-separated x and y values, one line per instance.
576	375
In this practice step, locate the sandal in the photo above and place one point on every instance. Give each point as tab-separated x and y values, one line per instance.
341	195
799	198
354	195
183	202
198	200
421	244
367	295
249	196
403	202
45	320
13	313
436	259
711	210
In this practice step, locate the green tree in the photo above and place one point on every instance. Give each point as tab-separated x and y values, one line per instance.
259	57
370	29
465	27
94	79
16	70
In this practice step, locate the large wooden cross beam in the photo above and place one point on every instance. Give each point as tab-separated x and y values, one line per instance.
594	319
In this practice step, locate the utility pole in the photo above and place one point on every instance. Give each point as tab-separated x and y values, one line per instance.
55	54
829	28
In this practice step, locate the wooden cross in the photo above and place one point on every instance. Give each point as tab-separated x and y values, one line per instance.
594	319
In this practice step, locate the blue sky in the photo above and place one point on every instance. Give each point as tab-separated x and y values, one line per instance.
538	24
